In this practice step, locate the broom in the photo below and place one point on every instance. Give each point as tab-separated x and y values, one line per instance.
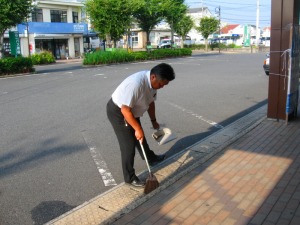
151	181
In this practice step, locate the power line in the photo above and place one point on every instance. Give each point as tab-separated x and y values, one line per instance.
226	18
247	16
230	3
231	12
232	8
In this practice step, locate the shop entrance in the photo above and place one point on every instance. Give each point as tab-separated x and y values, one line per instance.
58	47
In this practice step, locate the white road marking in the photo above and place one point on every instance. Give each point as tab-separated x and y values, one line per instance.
107	177
197	116
100	74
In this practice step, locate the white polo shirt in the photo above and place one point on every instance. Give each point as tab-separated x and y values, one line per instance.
135	92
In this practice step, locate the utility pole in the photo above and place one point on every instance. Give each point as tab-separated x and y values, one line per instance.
257	24
28	40
218	11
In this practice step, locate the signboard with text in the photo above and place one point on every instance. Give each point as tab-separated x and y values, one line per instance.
54	28
247	36
14	40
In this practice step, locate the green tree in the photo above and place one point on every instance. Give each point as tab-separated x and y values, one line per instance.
148	14
111	17
208	25
174	11
12	13
183	27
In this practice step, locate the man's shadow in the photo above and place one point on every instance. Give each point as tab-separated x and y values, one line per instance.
49	210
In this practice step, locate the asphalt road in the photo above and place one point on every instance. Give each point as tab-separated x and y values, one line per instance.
55	137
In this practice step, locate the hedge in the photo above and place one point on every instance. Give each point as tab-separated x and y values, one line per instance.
121	55
15	65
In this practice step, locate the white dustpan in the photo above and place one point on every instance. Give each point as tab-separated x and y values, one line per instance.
163	136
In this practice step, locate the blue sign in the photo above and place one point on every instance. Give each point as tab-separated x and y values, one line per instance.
54	28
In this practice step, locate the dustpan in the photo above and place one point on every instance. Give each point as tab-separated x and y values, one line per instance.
163	135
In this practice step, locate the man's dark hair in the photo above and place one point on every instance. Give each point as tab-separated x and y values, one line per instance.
163	71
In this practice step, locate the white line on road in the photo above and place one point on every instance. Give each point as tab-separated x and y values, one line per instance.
100	74
197	116
107	177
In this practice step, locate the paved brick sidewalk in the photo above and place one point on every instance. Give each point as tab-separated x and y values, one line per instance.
253	181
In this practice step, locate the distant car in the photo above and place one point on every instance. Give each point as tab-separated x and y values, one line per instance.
165	43
266	65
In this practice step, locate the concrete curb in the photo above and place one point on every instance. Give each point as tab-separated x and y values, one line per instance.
113	204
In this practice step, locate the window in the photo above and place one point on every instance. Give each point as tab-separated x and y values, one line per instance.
37	15
75	17
134	39
58	16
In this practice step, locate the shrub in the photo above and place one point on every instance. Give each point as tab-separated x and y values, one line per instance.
107	57
140	56
119	56
233	46
195	46
15	65
216	45
42	58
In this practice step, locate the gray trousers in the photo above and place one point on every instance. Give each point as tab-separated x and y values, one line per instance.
127	141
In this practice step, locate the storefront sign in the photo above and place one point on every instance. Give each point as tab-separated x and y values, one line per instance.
14	40
247	36
54	28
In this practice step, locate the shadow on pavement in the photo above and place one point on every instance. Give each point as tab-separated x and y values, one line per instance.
49	210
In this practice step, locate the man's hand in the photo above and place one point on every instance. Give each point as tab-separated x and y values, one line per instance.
139	134
129	118
155	124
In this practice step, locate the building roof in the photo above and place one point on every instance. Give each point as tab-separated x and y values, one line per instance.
226	29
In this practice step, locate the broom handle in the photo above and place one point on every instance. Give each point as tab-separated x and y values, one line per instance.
144	153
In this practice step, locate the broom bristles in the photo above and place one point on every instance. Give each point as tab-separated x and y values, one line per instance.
151	183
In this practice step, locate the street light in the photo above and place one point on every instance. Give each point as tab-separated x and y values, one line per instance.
218	12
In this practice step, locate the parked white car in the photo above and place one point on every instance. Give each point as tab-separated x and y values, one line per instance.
165	43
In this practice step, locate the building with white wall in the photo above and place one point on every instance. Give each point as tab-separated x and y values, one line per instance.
197	14
239	34
56	26
163	31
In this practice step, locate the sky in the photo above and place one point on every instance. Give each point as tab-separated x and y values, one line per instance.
237	11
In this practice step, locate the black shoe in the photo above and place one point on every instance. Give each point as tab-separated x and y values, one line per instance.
158	159
137	183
